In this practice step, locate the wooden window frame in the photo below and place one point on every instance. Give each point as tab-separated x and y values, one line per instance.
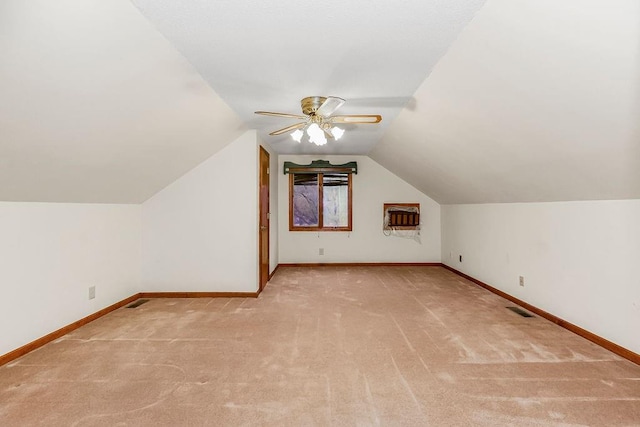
320	172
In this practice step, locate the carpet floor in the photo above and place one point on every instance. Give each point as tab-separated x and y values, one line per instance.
327	346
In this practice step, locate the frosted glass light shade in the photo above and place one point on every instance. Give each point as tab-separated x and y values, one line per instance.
316	135
297	135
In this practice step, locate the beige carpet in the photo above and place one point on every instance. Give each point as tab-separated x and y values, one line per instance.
324	346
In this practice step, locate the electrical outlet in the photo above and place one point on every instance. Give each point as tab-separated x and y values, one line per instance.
321	251
522	281
92	292
460	258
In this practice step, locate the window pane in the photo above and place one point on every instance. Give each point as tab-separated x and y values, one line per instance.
335	200
305	200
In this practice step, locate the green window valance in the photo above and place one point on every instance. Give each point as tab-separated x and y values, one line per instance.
319	166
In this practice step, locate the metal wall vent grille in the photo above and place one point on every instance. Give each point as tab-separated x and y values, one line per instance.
137	303
520	311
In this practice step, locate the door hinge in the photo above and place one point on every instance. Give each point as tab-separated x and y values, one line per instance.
268	171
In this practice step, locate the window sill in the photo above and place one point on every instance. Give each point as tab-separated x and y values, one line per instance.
330	229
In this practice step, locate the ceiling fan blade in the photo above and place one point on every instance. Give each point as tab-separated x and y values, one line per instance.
288	128
329	106
357	118
271	113
327	133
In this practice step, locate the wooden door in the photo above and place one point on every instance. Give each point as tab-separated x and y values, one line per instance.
264	218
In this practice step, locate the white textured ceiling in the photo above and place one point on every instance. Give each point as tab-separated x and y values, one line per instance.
267	55
535	101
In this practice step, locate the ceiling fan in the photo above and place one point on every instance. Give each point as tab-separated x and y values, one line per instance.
318	121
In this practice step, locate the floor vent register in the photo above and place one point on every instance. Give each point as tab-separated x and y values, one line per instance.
520	311
137	303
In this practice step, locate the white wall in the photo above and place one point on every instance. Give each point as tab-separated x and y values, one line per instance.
372	187
201	232
579	259
51	253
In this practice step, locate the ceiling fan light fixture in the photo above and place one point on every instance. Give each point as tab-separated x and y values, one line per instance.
316	135
318	120
313	129
320	141
297	135
337	132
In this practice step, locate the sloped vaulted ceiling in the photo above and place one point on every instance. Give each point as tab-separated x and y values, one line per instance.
503	101
97	106
535	101
268	55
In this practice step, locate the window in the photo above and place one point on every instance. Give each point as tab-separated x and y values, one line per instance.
320	201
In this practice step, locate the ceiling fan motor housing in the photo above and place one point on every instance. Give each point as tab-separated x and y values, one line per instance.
311	104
